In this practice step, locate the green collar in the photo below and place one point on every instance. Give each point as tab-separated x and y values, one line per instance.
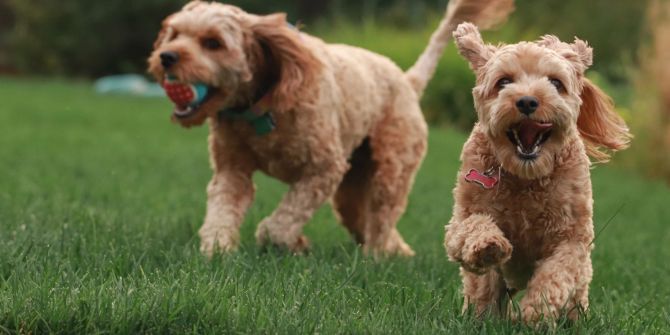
258	116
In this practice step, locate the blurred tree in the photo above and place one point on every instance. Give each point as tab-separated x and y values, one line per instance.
651	121
310	9
78	37
6	21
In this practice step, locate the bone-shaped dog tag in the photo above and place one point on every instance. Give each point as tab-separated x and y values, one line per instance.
487	180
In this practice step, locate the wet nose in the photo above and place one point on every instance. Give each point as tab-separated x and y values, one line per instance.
527	105
169	59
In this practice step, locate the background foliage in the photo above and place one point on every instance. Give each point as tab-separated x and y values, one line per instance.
5	26
651	103
75	38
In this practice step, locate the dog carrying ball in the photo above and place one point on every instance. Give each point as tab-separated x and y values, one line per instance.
183	94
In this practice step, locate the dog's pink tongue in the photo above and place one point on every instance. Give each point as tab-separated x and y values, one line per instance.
530	130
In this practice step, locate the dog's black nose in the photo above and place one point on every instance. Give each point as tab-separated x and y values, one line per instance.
169	58
527	105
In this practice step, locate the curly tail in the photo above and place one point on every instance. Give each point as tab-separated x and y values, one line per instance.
483	13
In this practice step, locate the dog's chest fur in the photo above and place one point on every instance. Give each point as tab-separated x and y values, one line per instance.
535	215
299	145
286	154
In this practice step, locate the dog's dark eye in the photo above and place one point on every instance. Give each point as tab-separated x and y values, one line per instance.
557	83
503	82
211	43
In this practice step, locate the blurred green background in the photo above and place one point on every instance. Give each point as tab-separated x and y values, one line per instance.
88	39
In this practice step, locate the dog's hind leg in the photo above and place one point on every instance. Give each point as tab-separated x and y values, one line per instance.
398	144
353	195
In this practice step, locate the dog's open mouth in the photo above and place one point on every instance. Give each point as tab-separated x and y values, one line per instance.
528	137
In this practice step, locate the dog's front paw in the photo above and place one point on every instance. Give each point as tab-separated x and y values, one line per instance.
270	233
219	241
539	318
480	255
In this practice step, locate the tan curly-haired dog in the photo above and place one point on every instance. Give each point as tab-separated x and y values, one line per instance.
332	121
523	206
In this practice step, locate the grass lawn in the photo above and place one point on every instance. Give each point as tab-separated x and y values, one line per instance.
101	198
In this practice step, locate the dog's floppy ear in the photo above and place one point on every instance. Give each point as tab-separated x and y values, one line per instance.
298	66
601	128
471	46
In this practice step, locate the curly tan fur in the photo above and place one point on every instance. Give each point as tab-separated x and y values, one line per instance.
534	230
348	126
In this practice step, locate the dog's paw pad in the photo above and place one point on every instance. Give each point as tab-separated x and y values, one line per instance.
486	254
491	254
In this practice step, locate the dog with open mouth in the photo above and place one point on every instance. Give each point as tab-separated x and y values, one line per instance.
331	121
523	211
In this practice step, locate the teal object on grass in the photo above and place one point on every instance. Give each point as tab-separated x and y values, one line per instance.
131	84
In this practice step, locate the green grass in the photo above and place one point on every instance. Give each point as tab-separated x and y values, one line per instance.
101	198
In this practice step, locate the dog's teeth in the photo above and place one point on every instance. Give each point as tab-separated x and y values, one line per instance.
536	150
540	138
182	112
